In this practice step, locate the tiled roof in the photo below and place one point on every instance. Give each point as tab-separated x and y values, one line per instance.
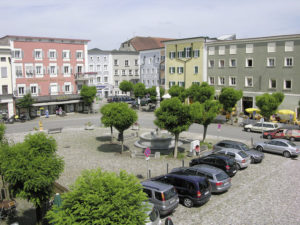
32	37
145	43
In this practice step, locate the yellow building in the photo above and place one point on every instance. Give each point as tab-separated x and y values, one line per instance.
185	62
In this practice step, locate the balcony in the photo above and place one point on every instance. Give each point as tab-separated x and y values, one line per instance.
83	76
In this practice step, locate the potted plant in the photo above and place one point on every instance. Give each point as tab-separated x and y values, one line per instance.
89	126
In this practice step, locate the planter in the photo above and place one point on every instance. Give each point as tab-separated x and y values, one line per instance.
89	127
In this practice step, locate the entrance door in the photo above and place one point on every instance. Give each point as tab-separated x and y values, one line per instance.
247	103
105	94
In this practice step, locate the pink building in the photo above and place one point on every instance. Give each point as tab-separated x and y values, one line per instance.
46	68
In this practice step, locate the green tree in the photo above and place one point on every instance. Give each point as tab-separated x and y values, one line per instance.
102	198
152	93
205	113
229	97
88	93
173	116
176	91
2	133
25	102
139	90
123	117
201	93
126	86
268	104
161	92
107	118
31	167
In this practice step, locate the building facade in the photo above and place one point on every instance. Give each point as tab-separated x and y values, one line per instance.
257	66
185	62
46	68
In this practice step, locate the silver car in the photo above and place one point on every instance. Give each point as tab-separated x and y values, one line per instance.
242	158
280	146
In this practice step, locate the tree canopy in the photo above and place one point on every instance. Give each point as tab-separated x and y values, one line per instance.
173	116
229	97
268	103
99	197
107	117
139	90
126	86
177	91
88	93
31	167
201	93
25	102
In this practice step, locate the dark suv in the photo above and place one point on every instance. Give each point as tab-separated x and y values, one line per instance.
192	190
224	162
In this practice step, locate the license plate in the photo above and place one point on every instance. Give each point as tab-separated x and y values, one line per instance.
206	193
226	183
172	201
234	171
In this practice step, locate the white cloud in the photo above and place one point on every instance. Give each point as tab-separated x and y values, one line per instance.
108	23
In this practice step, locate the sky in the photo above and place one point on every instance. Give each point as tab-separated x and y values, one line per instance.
108	23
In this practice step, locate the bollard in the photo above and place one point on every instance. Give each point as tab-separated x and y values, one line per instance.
167	167
183	163
251	141
149	173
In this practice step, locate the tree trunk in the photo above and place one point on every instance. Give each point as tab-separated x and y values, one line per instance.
111	134
122	142
39	215
176	145
204	132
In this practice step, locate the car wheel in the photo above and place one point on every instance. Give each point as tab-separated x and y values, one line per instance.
269	137
286	154
238	167
187	202
252	160
248	129
292	138
259	148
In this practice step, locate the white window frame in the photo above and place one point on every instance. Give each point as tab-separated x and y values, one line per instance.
171	83
67	65
66	57
81	55
105	67
116	62
19	65
136	62
284	84
249	48
130	72
210	79
211	65
289	46
42	69
271	47
196	53
35	54
231	78
232	49
20	53
270	84
230	62
53	85
123	72
91	68
29	73
126	62
78	66
172	55
286	61
98	68
150	60
55	69
55	54
246	81
136	72
196	69
269	60
180	70
98	79
105	79
116	72
220	79
211	50
172	70
21	86
70	87
247	62
220	64
222	50
36	88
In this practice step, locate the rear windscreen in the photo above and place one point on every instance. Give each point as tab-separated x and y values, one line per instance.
243	154
221	176
204	185
170	193
231	161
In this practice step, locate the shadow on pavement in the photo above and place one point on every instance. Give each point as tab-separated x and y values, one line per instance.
103	138
109	148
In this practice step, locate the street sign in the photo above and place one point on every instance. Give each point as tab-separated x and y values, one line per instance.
147	158
147	152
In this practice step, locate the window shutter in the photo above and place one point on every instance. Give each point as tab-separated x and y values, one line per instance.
169	69
33	54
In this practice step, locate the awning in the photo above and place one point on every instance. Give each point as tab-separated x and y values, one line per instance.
56	103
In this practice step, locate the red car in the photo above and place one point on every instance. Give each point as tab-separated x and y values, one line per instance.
278	133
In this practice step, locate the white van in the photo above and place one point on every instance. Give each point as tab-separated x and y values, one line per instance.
259	127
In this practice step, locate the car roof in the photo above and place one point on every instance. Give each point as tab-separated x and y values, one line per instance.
234	150
282	140
230	141
207	168
187	177
156	185
224	157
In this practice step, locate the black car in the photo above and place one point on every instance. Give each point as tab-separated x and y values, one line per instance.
224	162
192	190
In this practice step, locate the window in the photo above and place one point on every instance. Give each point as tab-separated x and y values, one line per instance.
172	55
38	70
188	52
272	83
33	89
232	81
3	59
79	69
221	81
196	53
211	50
136	72
172	83
19	71
29	70
232	49
196	70
91	68
130	72
98	79
221	63
272	47
249	48
104	58
172	70
123	72
53	89
91	80
105	79
52	54
98	68
150	60
18	54
211	80
211	63
66	70
180	83
66	55
38	55
4	89
221	50
232	62
180	54
288	61
3	72
116	72
116	62
53	70
249	62
21	89
287	84
196	82
179	70
270	62
289	46
105	67
162	58
67	88
136	62
248	81
126	63
79	55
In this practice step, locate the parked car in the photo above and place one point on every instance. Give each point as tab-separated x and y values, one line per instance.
280	146
217	178
242	158
223	162
292	134
277	133
163	196
259	127
192	190
153	215
120	98
256	156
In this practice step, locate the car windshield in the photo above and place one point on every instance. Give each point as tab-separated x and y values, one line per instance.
242	154
291	143
170	193
221	176
245	147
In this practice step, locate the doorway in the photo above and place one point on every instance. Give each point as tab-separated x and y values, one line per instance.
247	103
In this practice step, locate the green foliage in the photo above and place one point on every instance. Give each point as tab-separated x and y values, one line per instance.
40	143
25	102
268	104
139	90
201	93
107	115
88	93
229	97
176	91
2	132
102	198
152	93
161	91
205	113
126	86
